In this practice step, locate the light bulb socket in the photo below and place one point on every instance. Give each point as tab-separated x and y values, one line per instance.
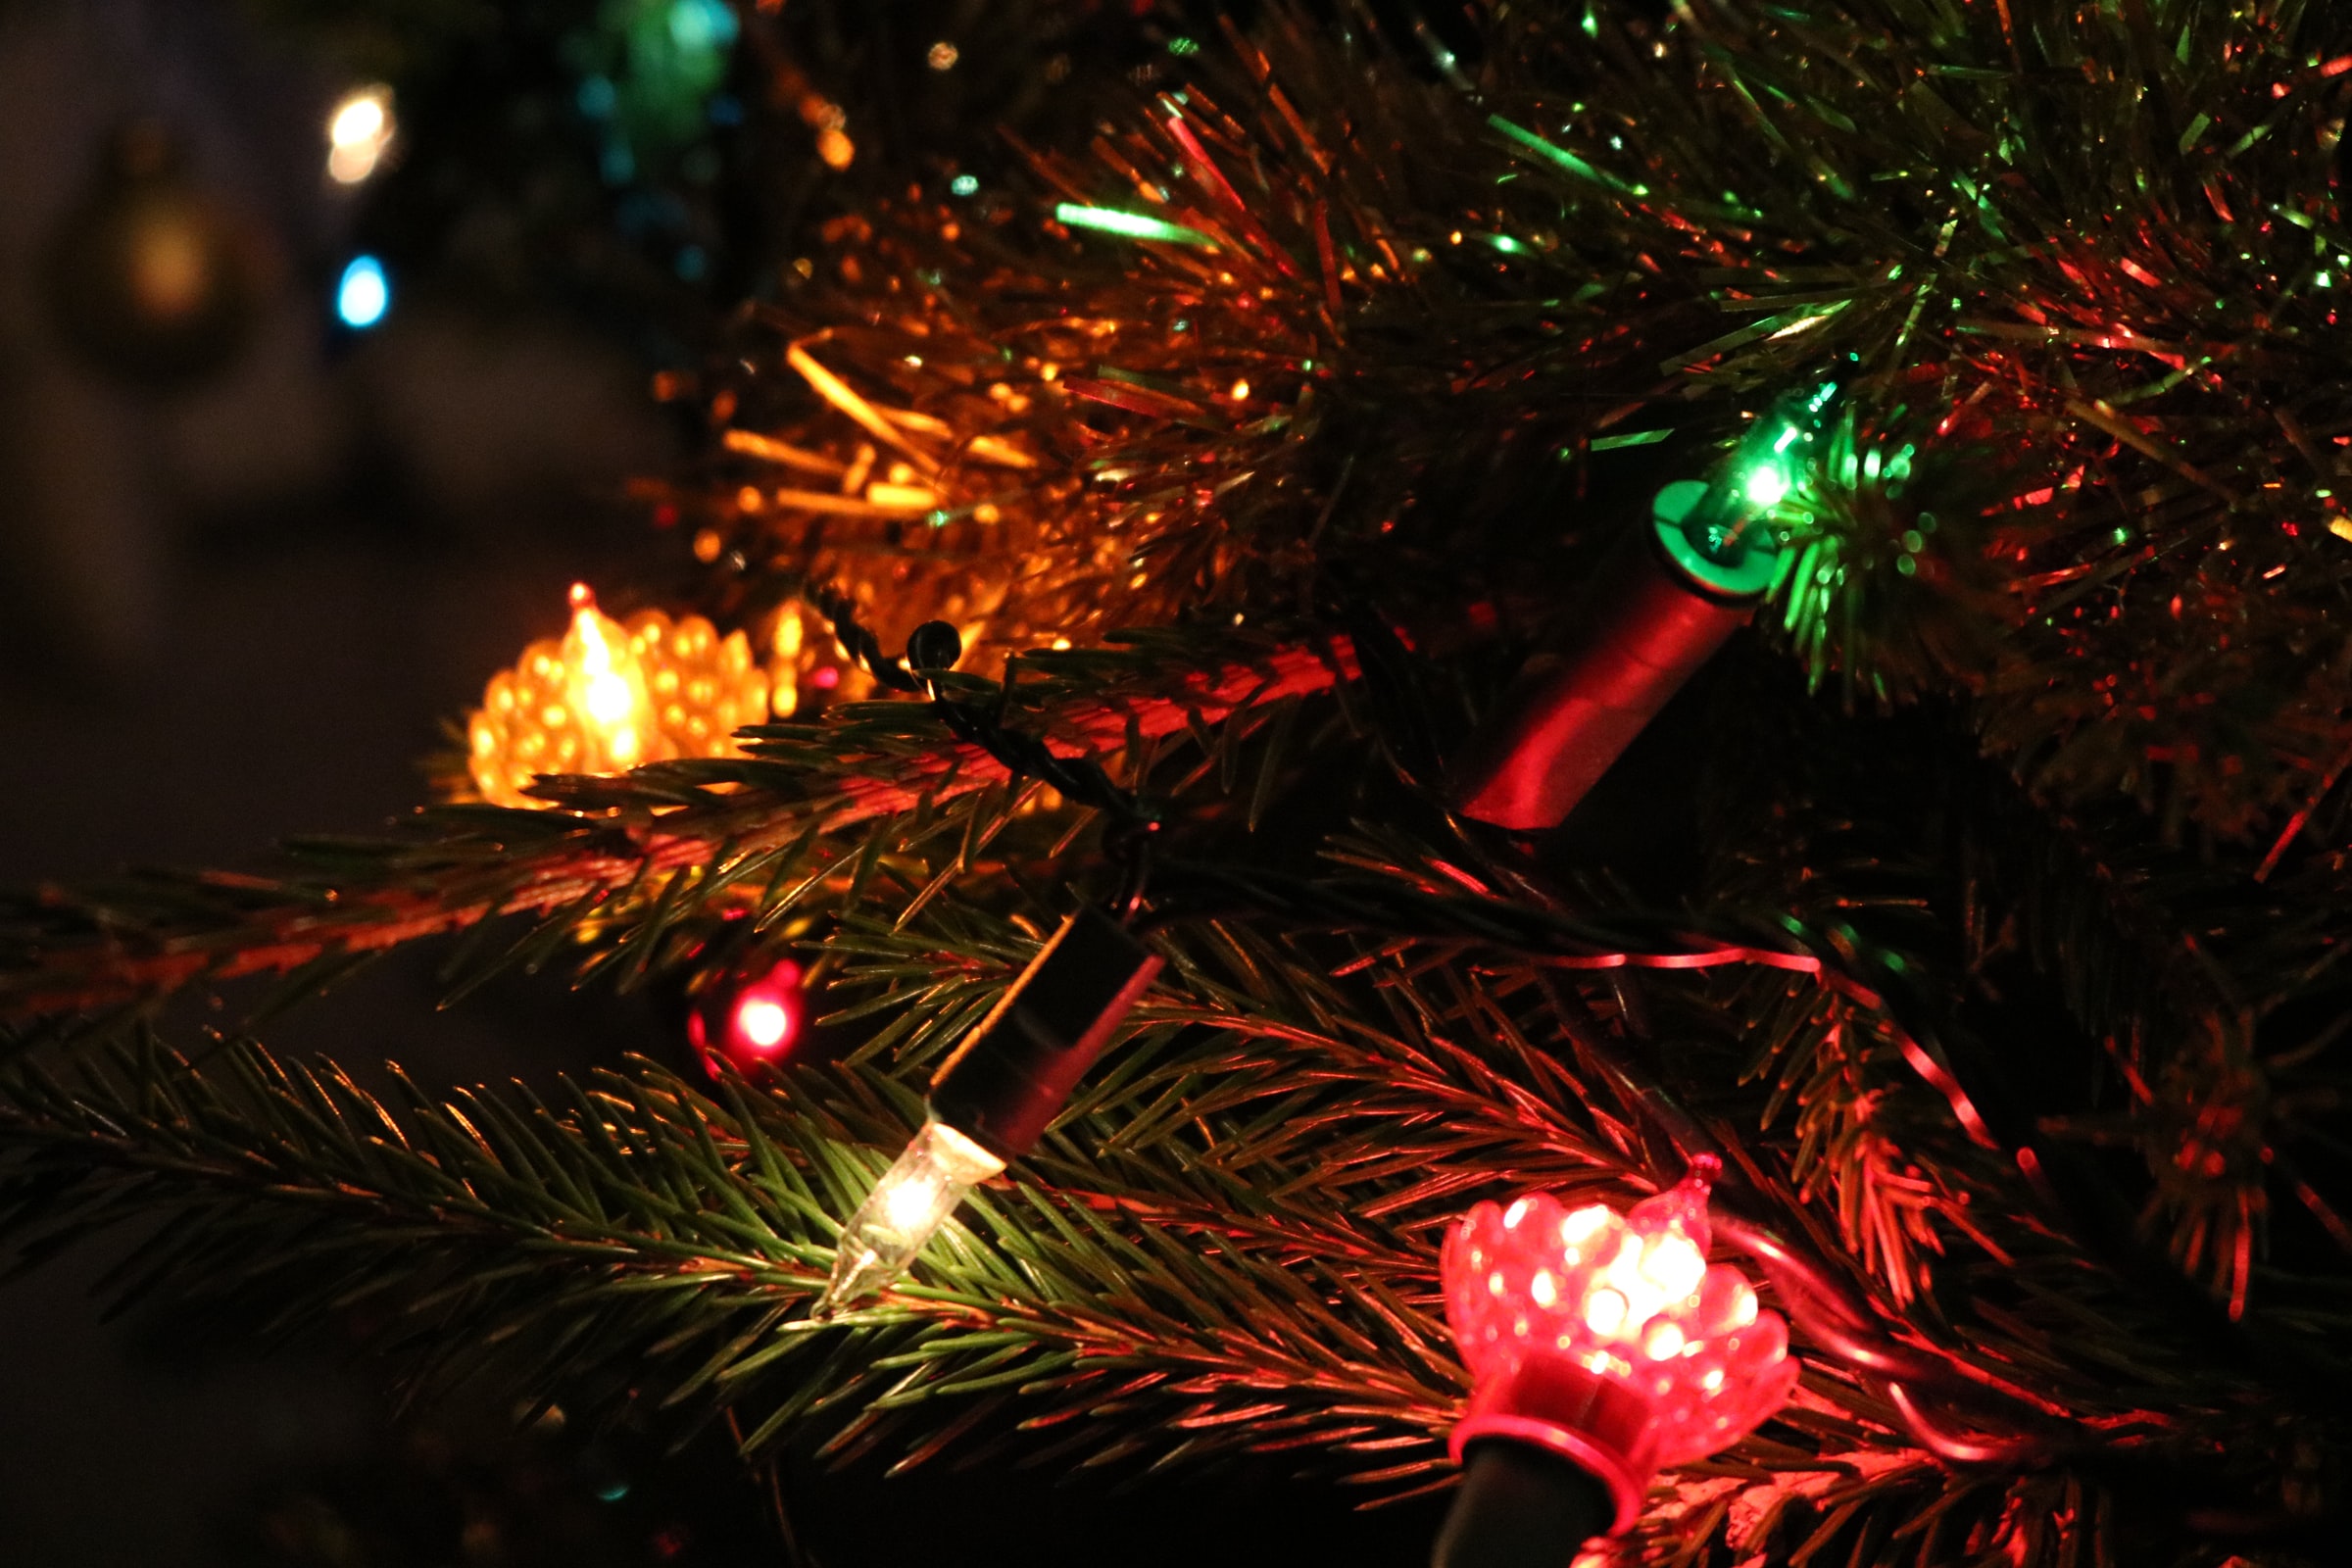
1592	1422
1015	1071
1735	575
1642	628
1520	1506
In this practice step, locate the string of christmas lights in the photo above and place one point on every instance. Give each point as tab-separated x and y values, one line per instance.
2003	340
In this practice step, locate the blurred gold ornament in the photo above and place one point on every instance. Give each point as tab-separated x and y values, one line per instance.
152	278
609	697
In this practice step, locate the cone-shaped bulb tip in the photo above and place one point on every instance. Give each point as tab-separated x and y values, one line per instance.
911	1202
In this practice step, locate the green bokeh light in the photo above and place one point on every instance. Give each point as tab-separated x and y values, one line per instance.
1133	225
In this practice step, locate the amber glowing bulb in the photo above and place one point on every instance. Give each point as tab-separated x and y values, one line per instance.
607	697
616	704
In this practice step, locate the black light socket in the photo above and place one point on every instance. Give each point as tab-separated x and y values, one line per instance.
1520	1506
1016	1068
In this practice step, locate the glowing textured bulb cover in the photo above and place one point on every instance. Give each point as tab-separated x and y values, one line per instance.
1610	1340
609	697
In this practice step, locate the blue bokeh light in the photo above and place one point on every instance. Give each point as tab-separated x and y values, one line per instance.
598	97
363	294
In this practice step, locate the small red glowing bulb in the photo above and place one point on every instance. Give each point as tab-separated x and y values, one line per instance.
752	1023
762	1022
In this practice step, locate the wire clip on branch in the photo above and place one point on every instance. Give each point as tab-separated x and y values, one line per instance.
994	1096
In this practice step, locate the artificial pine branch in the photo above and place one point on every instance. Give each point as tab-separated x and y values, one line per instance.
634	854
1410	343
636	1209
650	1213
2070	468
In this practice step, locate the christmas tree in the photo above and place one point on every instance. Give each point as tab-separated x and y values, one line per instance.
1206	640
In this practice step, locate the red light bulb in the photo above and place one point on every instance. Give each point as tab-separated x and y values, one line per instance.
762	1023
752	1023
1610	1340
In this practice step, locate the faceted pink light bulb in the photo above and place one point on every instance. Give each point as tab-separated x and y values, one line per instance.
1610	1340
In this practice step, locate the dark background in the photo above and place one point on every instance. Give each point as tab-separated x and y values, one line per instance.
241	601
235	608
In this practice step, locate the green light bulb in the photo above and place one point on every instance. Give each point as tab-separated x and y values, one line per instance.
1715	532
1766	485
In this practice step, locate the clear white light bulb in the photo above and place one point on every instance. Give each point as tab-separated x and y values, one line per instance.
358	134
994	1096
911	1202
